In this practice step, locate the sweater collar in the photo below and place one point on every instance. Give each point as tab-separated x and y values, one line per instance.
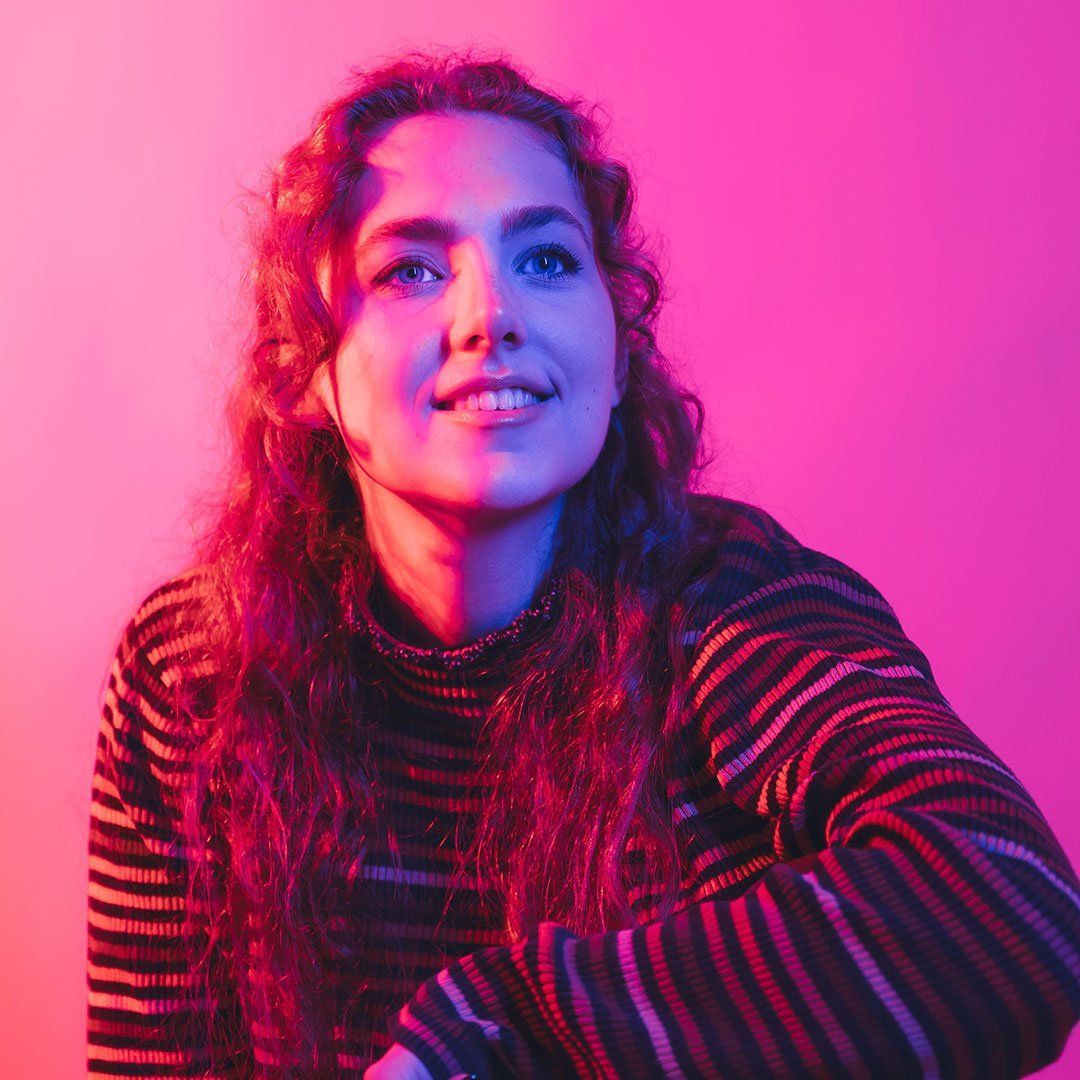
462	681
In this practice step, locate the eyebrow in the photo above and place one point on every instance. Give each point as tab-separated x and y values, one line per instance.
438	230
536	217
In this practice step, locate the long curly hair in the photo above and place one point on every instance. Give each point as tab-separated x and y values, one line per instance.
281	796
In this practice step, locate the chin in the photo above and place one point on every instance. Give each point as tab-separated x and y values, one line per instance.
498	503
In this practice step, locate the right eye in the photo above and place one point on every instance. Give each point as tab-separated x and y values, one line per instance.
407	274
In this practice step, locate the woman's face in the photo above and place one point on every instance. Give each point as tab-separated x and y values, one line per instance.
477	367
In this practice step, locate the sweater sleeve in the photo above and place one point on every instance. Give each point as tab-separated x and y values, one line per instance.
918	918
143	1020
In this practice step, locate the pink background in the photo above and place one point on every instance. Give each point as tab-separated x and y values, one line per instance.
872	218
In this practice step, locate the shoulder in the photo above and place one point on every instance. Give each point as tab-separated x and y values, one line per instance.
167	639
751	548
761	572
773	618
797	650
161	671
167	623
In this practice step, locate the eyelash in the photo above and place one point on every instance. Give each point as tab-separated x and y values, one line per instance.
386	277
571	265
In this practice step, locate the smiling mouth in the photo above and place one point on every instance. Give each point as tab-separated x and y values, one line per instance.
509	397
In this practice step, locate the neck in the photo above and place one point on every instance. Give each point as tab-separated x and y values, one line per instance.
447	580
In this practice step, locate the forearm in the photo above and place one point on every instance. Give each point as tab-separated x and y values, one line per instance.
887	961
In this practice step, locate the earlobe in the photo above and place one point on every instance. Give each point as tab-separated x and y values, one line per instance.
316	404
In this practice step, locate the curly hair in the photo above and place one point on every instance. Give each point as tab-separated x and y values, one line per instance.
281	795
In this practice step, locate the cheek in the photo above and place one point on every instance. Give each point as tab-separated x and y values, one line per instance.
392	353
364	375
585	339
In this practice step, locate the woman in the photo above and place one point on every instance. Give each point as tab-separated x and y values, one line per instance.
478	742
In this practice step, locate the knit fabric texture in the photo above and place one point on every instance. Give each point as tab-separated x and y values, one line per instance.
869	893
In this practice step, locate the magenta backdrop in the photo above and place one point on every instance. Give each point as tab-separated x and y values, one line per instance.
872	217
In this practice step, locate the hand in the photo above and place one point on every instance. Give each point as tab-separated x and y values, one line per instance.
397	1064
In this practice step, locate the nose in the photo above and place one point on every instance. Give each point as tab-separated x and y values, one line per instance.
485	314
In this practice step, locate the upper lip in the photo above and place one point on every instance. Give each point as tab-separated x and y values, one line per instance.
479	383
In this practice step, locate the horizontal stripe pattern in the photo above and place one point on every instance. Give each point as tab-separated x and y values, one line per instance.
878	932
869	892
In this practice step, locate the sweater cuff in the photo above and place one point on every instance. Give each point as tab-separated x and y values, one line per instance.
456	1048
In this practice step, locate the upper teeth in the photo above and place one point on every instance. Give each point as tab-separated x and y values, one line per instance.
510	397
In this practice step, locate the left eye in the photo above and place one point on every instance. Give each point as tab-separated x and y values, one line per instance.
550	263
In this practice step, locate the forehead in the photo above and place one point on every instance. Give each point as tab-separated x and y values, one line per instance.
461	166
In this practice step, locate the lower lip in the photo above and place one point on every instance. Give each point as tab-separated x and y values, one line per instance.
494	418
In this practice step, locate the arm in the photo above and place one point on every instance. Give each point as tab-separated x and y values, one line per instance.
919	919
142	1019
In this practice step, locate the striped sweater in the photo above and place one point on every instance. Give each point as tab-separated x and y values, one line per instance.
868	891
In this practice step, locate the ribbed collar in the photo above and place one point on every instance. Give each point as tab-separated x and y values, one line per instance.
461	682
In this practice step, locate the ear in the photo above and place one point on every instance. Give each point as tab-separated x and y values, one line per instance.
325	272
318	402
622	372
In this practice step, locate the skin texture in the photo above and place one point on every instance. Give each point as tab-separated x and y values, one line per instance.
461	505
